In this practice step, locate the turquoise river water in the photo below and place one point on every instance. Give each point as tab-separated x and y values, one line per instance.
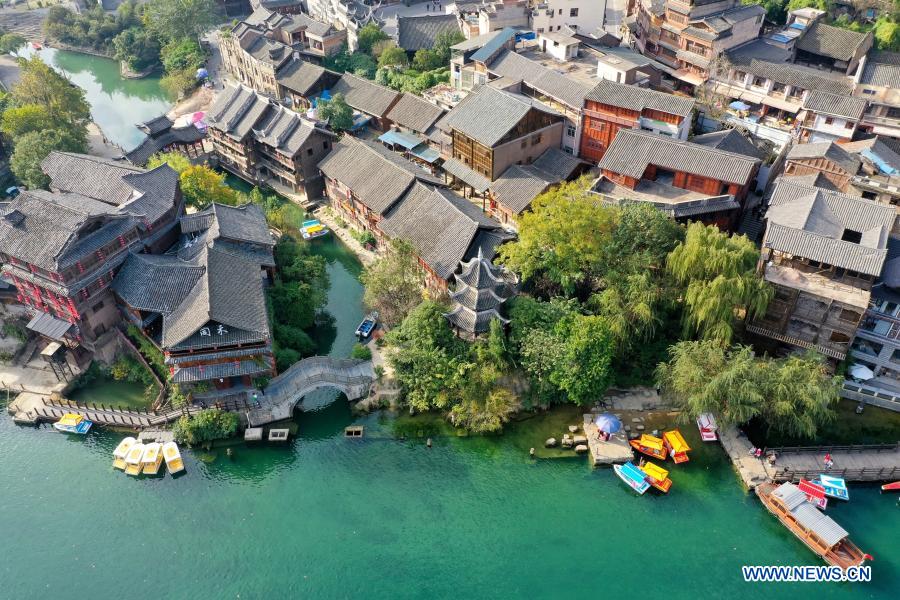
328	517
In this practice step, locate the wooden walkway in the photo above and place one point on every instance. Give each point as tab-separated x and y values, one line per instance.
853	463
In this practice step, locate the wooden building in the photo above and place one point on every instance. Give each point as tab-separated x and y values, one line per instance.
830	160
163	136
610	107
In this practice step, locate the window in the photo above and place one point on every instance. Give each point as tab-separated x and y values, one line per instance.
851	236
869	92
851	316
540	30
97	307
560	12
309	151
829	120
848	125
535	140
568	150
573	12
325	144
570	130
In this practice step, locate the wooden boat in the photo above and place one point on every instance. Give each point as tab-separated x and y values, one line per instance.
657	476
649	445
152	458
173	457
676	446
133	459
367	326
633	477
121	452
313	229
891	487
835	487
73	423
815	493
706	423
819	532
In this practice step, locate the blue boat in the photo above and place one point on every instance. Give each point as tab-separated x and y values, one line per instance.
367	326
313	229
73	423
633	477
835	487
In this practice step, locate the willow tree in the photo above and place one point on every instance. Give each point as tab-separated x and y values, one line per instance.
718	273
793	396
629	307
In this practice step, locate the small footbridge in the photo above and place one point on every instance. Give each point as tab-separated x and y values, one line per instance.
352	377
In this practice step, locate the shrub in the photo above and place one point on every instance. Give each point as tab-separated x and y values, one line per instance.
149	351
361	352
205	426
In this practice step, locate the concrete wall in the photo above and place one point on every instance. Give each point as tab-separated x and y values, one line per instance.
512	152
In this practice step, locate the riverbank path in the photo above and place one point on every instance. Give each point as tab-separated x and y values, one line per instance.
853	463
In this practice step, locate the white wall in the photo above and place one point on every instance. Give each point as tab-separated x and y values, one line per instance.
589	19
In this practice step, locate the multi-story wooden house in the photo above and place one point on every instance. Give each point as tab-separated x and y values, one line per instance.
259	140
163	136
822	251
832	48
205	306
612	106
829	117
312	38
829	159
493	129
687	181
63	248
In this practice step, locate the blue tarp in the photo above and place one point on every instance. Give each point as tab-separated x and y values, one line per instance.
423	152
359	121
738	105
398	138
882	164
525	35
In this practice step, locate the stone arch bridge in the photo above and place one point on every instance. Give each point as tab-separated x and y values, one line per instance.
276	403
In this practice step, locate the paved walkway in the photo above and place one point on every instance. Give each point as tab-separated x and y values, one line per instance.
751	469
366	257
858	463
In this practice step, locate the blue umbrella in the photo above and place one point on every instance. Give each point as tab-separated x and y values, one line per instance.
202	73
608	423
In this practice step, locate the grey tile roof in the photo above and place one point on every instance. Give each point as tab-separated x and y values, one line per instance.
811	222
477	42
300	76
729	140
557	164
881	74
463	172
221	370
875	147
364	95
834	42
635	98
156	283
162	139
236	111
254	42
829	150
415	113
156	125
245	223
848	107
285	130
487	114
809	516
632	150
416	33
746	58
813	180
377	176
520	184
439	224
551	83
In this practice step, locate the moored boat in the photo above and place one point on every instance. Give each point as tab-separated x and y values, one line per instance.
835	487
815	493
706	423
367	326
73	423
312	229
633	477
657	476
121	452
173	457
677	447
133	459
891	487
819	532
152	458
649	445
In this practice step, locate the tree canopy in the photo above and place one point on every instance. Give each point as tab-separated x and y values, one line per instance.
393	284
337	112
369	35
201	186
175	20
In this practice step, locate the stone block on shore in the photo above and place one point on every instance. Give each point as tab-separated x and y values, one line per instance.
581	448
550	443
580	439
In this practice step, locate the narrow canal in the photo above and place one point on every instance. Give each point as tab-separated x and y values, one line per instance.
329	517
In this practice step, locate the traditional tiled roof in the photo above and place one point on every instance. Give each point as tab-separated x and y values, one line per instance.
632	150
814	223
520	184
877	151
285	130
882	69
245	223
729	140
156	125
439	224
255	43
416	33
365	96
834	42
375	175
481	288
292	23
829	150
464	173
817	179
156	283
300	76
488	114
635	98
746	59
236	110
549	82
847	107
490	46
162	139
415	113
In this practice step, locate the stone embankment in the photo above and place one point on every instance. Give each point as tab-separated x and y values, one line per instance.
751	469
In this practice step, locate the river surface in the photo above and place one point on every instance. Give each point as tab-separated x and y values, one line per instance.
382	517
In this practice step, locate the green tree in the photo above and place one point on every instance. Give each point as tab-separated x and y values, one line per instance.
368	35
793	395
137	47
442	43
426	59
202	186
11	42
33	147
41	85
205	426
775	9
179	83
19	120
361	352
393	57
887	33
179	162
181	19
562	240
337	112
182	54
718	272
393	284
585	370
793	5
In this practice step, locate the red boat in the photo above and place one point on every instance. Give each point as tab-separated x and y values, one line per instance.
649	445
891	487
815	493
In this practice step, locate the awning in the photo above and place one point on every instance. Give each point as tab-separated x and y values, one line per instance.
398	138
476	181
778	103
751	97
49	326
424	152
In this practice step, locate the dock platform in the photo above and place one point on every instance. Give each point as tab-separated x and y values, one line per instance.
156	435
879	462
615	451
279	435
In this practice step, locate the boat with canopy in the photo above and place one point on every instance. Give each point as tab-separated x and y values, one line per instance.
835	487
152	458
121	452
173	457
706	423
133	459
73	423
649	445
815	493
633	477
313	229
677	447
657	476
